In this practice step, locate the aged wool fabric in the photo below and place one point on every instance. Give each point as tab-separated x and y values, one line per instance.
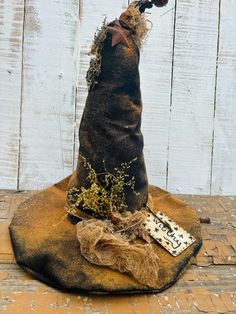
110	128
45	245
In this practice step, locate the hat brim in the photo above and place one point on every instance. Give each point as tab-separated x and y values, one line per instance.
45	245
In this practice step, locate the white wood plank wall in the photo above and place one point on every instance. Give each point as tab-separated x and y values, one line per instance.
224	145
48	91
193	93
188	82
11	34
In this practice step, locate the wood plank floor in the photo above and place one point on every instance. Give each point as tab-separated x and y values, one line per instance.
208	285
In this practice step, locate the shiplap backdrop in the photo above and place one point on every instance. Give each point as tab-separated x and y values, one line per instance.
188	82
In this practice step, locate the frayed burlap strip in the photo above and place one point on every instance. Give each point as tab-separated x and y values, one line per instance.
100	246
137	22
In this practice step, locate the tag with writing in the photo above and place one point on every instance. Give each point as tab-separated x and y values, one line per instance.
166	232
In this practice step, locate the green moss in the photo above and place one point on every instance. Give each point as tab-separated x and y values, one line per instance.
95	62
105	195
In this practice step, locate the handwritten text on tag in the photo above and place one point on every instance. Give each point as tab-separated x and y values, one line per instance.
168	233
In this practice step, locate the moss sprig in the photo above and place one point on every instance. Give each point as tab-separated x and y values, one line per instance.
95	62
105	195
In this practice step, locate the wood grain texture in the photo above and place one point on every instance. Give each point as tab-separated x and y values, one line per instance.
92	15
224	150
49	82
155	73
208	289
189	113
200	290
11	32
192	107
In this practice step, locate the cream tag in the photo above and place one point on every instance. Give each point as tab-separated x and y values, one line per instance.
166	232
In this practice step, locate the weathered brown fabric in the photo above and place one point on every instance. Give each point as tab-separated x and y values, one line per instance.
45	245
110	127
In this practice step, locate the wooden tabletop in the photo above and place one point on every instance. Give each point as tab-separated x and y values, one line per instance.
207	286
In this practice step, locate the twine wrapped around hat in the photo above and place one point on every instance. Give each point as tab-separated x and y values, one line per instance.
136	21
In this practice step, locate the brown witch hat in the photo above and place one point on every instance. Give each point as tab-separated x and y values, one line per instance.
91	252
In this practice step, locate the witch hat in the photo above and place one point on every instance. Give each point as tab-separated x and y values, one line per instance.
103	245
